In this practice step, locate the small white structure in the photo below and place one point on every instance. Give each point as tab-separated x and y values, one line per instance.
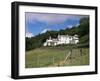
61	39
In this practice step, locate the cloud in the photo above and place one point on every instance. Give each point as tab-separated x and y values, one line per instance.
70	26
44	31
77	24
49	18
39	22
29	35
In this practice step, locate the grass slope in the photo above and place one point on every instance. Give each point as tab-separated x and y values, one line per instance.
48	57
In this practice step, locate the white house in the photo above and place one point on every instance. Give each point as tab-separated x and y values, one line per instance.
61	39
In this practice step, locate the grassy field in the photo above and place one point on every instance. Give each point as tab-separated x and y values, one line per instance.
53	57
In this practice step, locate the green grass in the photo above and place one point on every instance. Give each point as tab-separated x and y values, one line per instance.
78	59
51	56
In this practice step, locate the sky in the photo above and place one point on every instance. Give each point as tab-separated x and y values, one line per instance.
38	23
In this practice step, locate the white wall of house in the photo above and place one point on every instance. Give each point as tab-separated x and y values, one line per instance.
62	39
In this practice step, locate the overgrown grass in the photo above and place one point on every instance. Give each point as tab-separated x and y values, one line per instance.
78	59
48	56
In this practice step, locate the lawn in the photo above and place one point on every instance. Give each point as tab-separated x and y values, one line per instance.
54	56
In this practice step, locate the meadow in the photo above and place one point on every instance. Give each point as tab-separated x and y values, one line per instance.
56	57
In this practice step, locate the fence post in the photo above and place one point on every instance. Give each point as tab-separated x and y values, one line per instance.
81	51
38	61
53	60
70	53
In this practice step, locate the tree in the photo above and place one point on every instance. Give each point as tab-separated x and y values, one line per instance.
82	31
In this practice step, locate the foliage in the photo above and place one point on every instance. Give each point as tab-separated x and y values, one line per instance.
82	31
52	57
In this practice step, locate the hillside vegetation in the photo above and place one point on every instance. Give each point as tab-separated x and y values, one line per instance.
81	30
55	57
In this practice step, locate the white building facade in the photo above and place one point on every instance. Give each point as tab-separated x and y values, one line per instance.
61	39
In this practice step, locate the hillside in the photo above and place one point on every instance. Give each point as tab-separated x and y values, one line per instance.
81	30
